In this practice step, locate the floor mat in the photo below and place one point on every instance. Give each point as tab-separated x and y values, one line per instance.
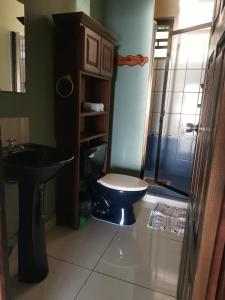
168	218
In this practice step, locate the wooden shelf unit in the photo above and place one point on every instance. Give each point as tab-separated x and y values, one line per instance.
91	114
84	54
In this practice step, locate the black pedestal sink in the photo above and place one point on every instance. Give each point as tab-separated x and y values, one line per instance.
32	167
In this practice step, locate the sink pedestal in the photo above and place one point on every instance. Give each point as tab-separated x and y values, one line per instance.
32	168
32	257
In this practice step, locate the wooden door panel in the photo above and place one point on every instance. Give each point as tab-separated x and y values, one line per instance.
208	181
206	130
107	58
200	139
217	280
92	49
214	196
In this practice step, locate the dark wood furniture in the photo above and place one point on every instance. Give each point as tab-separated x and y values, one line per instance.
203	255
4	267
83	72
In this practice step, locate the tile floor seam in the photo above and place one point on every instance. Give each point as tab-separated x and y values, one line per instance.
80	289
138	285
92	271
70	263
115	234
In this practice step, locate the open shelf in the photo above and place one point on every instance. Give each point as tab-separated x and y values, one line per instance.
87	136
84	49
95	76
91	114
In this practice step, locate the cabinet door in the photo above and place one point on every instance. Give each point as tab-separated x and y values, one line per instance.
92	48
107	58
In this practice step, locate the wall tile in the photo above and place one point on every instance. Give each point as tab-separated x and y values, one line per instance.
176	79
16	128
155	61
157	101
159	80
184	119
173	102
178	53
192	81
171	124
161	64
190	102
155	123
196	51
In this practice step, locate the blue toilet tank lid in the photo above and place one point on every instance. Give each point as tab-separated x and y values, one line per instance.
123	182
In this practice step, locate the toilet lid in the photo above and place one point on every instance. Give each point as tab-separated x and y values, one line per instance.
123	182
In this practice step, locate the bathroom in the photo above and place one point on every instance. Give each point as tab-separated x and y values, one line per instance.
72	275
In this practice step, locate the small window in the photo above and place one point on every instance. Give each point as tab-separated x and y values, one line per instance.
161	40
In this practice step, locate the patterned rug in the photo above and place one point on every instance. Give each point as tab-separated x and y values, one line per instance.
168	218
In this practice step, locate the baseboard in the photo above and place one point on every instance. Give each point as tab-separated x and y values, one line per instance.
50	224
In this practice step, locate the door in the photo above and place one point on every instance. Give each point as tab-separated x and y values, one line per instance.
198	271
180	109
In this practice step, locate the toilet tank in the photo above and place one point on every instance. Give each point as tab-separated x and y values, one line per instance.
92	159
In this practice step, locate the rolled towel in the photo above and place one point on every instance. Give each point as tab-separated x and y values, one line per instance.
90	106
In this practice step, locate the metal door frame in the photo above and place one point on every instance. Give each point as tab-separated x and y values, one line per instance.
162	113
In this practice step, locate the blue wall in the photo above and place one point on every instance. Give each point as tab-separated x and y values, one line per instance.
132	22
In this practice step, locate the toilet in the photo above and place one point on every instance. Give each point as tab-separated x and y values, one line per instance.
113	196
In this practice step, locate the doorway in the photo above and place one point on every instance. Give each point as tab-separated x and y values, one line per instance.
178	80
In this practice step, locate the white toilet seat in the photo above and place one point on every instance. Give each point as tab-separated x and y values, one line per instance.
123	182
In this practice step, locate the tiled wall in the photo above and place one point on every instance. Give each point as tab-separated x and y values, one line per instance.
15	128
183	98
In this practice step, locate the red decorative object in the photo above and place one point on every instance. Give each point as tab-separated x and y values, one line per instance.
131	60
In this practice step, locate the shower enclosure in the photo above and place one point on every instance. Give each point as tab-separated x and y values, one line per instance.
178	80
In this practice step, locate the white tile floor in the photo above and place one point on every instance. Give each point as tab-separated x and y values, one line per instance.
104	261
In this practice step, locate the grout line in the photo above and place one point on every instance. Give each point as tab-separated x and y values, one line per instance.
69	262
92	271
138	285
83	285
117	231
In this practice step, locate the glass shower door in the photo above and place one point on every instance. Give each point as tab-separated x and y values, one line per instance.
180	109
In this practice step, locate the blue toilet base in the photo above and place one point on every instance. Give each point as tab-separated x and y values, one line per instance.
114	206
117	215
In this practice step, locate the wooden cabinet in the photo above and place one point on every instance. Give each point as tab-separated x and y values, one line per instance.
107	50
83	71
98	53
92	49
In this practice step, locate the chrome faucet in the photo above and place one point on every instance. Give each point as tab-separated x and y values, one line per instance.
12	147
10	143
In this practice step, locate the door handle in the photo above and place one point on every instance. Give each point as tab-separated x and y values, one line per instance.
190	127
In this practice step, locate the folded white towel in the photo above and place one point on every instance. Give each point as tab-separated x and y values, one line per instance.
90	106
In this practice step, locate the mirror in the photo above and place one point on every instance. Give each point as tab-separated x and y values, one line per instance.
12	46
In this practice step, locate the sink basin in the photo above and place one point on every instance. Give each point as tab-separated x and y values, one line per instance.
35	162
32	167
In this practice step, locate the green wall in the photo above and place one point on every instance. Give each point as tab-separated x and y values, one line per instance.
132	22
38	102
96	10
